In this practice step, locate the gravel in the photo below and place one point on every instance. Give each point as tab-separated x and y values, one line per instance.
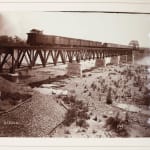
33	119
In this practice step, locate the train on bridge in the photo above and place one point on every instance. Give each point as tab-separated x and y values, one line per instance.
53	49
37	38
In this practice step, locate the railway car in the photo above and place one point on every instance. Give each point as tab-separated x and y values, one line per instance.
58	40
98	44
116	45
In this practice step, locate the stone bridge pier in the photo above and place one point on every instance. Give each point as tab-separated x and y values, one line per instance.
74	69
115	60
124	59
101	62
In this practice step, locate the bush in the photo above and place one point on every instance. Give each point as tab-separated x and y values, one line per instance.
117	125
90	94
70	117
147	100
67	132
108	98
85	91
83	115
69	99
78	111
82	123
84	75
93	86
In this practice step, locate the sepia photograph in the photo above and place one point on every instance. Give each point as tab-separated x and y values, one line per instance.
74	74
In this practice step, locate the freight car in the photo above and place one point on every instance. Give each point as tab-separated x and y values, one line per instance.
116	45
36	37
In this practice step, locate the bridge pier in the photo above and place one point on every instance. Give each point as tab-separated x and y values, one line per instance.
115	60
100	62
124	59
74	69
13	77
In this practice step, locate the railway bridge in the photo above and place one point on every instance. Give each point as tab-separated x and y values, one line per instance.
15	57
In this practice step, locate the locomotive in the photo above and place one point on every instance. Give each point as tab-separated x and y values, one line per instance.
36	37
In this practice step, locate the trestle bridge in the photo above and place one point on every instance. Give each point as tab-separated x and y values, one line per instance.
14	57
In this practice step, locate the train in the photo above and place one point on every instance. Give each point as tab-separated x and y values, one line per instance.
38	38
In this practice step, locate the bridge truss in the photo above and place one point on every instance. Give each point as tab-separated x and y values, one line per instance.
14	57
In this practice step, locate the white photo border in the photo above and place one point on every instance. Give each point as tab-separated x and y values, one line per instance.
122	6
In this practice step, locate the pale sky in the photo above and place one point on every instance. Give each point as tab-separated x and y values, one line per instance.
104	27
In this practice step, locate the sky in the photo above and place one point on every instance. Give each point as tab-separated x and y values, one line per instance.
103	27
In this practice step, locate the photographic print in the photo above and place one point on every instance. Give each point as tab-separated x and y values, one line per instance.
74	74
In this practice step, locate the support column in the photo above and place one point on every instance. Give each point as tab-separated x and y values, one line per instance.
123	59
133	58
126	58
118	60
74	69
12	69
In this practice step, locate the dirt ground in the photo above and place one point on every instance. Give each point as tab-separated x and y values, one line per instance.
114	102
127	83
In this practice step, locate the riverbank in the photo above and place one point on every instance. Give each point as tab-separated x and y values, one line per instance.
105	102
128	91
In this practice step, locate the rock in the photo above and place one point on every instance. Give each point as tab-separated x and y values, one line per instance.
44	91
148	86
95	118
105	116
128	107
123	116
110	112
50	91
148	121
48	85
94	131
60	92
